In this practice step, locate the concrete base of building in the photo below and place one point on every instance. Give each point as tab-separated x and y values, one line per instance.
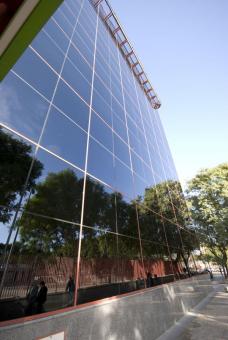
141	315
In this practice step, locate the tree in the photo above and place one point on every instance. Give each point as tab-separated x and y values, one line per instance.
208	195
15	161
58	196
164	213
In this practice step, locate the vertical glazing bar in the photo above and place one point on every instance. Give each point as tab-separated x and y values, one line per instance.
86	166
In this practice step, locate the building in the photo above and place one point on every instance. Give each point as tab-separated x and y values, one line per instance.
89	187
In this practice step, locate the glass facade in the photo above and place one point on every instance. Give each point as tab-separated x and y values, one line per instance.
88	185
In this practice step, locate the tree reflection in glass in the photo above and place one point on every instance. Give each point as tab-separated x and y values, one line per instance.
122	239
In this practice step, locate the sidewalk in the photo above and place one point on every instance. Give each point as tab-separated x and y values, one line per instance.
208	321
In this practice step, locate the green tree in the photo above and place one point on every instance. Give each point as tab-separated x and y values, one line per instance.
15	161
106	211
165	216
208	195
59	197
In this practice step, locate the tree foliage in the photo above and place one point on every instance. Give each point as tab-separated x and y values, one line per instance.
208	195
15	161
53	213
58	197
169	223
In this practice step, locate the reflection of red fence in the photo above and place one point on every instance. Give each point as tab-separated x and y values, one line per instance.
96	272
56	270
24	269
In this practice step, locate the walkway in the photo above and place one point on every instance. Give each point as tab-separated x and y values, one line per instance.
208	321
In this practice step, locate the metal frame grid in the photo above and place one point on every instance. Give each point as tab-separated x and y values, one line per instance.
134	76
109	17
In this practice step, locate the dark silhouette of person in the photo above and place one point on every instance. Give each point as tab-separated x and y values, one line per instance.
211	275
149	280
32	298
41	297
70	288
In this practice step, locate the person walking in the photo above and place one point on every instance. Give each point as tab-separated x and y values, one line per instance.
70	288
41	297
149	280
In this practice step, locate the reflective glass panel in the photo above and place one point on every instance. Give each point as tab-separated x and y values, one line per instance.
100	163
72	105
37	73
100	206
65	138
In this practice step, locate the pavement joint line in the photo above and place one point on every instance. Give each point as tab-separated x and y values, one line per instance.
174	331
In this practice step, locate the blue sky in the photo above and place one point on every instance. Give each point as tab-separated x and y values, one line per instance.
183	46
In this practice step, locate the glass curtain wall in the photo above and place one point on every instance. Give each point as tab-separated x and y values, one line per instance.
90	202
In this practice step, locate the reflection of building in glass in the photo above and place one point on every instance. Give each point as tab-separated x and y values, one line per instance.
89	188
